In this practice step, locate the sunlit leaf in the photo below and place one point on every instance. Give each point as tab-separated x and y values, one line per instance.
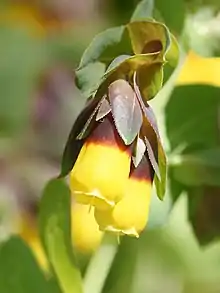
55	232
143	10
19	272
172	54
125	110
148	37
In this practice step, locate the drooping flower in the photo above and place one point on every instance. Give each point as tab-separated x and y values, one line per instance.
130	215
102	161
86	235
112	155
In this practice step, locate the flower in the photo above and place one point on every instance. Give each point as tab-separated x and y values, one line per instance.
100	173
130	215
113	154
86	235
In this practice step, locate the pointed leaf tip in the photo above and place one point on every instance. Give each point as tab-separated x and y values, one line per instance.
125	110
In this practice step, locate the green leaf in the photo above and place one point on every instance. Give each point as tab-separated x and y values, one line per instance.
105	46
172	54
104	109
19	272
88	78
172	13
139	151
149	73
122	273
203	209
191	116
125	110
154	146
55	232
197	168
148	37
143	10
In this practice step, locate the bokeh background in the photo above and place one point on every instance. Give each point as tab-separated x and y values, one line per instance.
41	42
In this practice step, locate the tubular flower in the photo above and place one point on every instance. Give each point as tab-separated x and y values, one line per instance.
86	235
95	169
130	215
112	155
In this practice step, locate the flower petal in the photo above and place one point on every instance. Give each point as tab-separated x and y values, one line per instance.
100	173
130	215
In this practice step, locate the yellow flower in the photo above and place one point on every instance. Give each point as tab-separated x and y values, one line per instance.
112	157
86	235
27	229
100	173
130	215
197	69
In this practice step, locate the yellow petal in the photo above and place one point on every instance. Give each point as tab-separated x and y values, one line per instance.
197	69
130	215
86	235
100	173
27	229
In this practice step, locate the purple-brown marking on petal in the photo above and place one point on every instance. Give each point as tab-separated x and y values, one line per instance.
144	171
106	134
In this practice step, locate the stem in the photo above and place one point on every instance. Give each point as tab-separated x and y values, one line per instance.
99	266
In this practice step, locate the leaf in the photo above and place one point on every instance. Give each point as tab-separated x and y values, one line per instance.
172	54
172	13
148	37
203	209
139	151
197	168
19	272
143	10
192	115
88	78
125	110
105	46
104	109
149	71
74	145
154	146
118	60
55	232
122	272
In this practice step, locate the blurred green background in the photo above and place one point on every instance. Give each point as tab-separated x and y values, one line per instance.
41	42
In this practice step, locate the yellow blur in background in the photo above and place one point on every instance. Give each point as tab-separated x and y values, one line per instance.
86	236
197	69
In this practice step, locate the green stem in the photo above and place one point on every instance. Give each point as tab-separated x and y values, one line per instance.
99	266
